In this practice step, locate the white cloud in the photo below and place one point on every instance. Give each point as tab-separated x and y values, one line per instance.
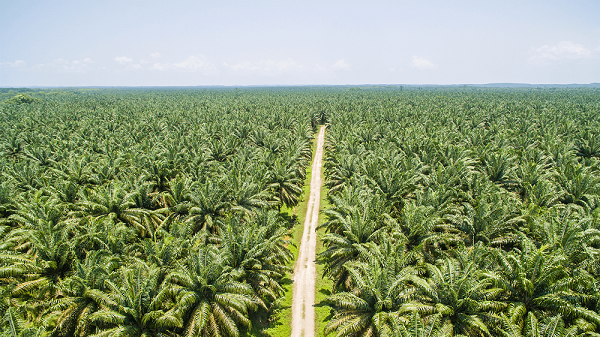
341	64
564	50
268	66
243	66
155	55
284	65
123	59
195	63
159	66
128	63
320	68
17	63
67	65
422	63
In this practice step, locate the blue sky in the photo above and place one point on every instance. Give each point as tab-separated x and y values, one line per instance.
172	43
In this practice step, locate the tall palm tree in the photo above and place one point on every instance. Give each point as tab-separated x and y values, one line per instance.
370	307
550	327
354	227
82	295
415	327
114	203
257	255
285	184
210	302
133	307
209	204
453	290
537	281
38	273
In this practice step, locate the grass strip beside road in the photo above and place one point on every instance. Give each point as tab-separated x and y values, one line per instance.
323	286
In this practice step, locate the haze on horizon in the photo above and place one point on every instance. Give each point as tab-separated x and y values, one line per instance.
326	42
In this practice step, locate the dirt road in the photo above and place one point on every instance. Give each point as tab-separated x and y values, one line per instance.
303	311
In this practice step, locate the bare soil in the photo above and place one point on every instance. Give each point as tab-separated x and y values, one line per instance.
303	311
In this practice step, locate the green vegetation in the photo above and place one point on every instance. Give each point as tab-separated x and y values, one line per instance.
145	212
21	99
464	213
161	212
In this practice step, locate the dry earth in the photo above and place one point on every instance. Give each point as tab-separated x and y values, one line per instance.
303	311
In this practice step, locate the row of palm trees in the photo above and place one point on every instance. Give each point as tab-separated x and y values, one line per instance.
147	213
464	213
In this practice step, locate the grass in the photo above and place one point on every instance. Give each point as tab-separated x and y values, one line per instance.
280	323
323	285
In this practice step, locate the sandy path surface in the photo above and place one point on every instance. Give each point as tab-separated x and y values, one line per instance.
305	273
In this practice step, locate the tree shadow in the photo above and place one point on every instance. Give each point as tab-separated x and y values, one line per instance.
286	281
291	220
325	292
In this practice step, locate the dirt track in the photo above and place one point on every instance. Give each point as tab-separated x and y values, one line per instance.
303	311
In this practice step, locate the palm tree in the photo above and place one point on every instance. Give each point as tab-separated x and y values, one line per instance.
563	230
209	204
578	185
76	169
15	326
246	193
285	184
427	234
13	147
257	255
42	211
161	254
92	233
490	218
82	295
551	327
38	273
352	228
339	175
588	145
453	291
415	327
370	307
26	175
207	298
8	201
537	281
112	202
133	307
396	185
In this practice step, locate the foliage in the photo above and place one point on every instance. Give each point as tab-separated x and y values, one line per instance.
453	211
492	195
